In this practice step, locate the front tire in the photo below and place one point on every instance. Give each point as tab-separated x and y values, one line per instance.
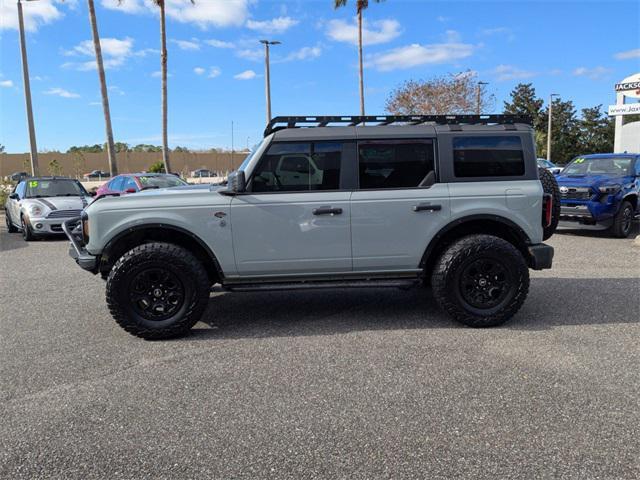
27	233
623	220
157	290
480	280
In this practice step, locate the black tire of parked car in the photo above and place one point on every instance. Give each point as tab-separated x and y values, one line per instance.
27	233
623	221
10	226
480	280
550	185
157	291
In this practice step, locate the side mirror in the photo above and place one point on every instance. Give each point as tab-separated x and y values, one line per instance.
93	193
236	183
14	196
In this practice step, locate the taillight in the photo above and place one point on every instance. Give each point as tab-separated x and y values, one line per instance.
547	209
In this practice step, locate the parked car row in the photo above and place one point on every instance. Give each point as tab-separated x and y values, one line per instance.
37	206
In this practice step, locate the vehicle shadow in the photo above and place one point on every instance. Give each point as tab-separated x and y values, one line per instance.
582	232
10	241
551	302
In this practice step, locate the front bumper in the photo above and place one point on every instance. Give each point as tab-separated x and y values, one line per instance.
540	256
77	251
45	226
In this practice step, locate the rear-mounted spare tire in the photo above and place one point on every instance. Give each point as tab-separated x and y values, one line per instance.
550	187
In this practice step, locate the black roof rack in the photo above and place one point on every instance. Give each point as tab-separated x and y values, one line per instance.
281	123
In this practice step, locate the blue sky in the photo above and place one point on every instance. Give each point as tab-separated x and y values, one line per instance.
578	49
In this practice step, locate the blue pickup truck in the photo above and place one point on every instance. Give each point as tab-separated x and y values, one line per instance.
601	192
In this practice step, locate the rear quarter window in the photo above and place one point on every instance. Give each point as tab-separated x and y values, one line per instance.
488	156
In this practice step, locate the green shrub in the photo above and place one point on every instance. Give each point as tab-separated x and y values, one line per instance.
157	167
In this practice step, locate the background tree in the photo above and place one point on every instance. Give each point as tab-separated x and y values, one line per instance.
1	148
97	148
525	102
111	150
596	131
449	94
360	6
55	168
565	135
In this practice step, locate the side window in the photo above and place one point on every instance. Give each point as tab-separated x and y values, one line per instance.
488	156
129	183
638	166
403	164
298	167
20	189
116	184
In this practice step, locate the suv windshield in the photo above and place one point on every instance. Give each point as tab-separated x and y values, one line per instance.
599	166
161	181
54	188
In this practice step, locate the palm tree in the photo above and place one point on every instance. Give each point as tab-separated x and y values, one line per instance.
111	151
163	70
360	6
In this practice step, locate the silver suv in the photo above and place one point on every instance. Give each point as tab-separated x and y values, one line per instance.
451	202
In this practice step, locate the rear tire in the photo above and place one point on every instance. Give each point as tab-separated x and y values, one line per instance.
550	185
480	280
623	221
11	228
157	290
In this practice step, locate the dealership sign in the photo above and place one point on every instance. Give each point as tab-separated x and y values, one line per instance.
628	109
630	86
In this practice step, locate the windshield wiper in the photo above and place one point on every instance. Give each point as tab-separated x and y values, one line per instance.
67	195
149	187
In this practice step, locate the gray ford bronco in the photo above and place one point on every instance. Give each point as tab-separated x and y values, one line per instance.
456	203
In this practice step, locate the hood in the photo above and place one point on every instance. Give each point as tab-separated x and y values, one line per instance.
594	181
59	203
188	195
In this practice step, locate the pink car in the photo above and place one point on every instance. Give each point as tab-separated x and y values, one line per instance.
134	182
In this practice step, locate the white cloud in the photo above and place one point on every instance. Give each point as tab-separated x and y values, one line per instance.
199	71
508	72
6	83
246	75
251	54
275	25
595	73
116	90
416	54
61	92
304	53
219	43
214	72
205	13
187	44
35	14
635	53
382	31
115	52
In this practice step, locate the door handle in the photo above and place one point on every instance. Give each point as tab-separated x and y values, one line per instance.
423	207
327	211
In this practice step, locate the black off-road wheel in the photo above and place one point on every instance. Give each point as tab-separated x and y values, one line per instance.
550	185
27	233
480	280
157	291
11	228
623	221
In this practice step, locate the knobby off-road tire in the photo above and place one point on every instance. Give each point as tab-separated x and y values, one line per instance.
623	221
11	228
157	290
480	280
550	185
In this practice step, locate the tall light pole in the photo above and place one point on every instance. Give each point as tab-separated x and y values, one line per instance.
549	125
27	93
267	77
478	96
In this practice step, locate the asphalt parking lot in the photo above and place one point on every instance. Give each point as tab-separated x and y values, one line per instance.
373	383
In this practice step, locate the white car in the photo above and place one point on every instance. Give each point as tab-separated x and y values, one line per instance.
38	205
552	167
